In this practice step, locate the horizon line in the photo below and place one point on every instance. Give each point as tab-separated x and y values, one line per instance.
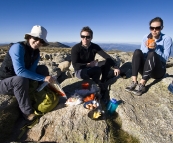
92	42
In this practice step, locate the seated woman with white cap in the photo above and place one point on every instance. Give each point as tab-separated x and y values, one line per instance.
19	65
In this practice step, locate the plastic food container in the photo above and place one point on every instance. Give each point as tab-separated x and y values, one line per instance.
91	104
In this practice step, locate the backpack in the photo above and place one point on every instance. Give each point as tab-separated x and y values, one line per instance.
44	100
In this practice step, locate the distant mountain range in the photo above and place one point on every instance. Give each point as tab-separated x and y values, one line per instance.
113	46
119	46
51	44
1	44
106	46
57	44
125	47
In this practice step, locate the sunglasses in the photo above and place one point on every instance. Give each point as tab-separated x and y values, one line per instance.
156	28
38	39
87	37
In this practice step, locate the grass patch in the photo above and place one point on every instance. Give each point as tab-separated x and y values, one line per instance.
117	135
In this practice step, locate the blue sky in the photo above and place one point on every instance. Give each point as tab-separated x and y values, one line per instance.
112	21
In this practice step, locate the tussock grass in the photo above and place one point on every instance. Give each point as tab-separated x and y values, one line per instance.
117	135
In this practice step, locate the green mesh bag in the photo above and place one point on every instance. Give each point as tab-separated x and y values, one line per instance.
43	101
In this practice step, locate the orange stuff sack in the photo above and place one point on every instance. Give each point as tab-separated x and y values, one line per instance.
89	97
151	43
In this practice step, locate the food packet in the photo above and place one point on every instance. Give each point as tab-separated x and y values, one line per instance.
74	100
57	88
54	87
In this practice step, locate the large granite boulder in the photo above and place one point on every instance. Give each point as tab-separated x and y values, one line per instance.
149	117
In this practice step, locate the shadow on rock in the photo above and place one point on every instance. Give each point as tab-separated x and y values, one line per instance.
151	84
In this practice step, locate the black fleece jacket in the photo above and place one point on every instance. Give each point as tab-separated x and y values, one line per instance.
81	56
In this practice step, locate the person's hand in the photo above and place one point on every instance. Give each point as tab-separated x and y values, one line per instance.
49	79
116	72
92	63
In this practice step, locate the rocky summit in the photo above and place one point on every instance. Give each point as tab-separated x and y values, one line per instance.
146	119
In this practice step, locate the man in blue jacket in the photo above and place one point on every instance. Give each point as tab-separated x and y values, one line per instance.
20	65
151	59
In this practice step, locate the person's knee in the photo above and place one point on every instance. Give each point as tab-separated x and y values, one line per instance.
151	54
21	81
137	53
64	66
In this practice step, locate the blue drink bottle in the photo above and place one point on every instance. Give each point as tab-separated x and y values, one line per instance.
170	87
112	106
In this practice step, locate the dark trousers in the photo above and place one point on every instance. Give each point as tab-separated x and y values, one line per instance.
19	87
96	72
151	67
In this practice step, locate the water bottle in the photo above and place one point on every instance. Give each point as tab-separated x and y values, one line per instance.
112	106
170	87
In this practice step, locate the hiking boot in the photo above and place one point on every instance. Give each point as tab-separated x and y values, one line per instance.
131	87
30	117
140	89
